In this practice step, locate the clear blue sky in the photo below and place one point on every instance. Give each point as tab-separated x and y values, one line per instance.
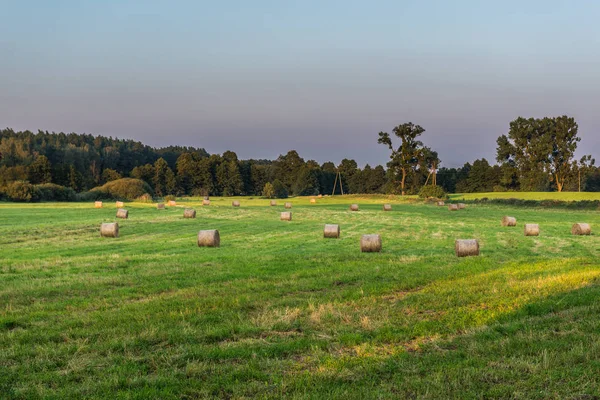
322	77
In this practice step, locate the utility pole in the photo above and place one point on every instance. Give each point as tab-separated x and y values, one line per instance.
337	174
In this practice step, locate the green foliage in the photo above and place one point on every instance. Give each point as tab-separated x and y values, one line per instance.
40	170
436	192
405	159
121	189
268	191
279	189
21	191
54	192
164	179
539	151
110	175
170	197
481	177
75	160
307	181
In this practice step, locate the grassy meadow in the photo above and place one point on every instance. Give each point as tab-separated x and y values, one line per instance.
563	196
279	311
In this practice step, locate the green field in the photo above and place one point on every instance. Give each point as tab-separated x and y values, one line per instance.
278	311
564	196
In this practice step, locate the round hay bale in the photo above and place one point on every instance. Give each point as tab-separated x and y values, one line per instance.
235	203
441	204
286	216
313	201
209	238
97	204
189	213
160	206
331	231
122	213
370	243
288	205
453	207
172	203
461	206
581	229
466	247
273	203
509	221
320	196
532	230
109	229
120	204
387	207
206	202
354	207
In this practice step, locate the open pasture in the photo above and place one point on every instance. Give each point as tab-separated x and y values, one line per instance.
279	311
562	196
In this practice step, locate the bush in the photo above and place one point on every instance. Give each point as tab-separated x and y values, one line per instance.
21	191
268	191
433	191
54	192
145	198
169	197
121	189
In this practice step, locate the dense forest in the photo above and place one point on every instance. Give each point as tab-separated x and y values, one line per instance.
535	155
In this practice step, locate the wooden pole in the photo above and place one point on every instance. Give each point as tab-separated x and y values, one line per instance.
334	183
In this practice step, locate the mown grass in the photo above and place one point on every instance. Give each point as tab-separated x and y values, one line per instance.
278	311
563	196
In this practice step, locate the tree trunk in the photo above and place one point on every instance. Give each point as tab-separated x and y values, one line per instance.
559	183
403	180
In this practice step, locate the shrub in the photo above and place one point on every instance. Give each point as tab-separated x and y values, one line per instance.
21	191
120	189
268	191
145	198
433	191
54	192
169	197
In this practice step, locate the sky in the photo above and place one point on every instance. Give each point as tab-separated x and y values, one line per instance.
263	77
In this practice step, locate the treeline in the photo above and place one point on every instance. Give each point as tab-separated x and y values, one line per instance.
535	155
83	162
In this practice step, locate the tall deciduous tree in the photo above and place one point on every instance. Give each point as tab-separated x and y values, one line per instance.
564	139
405	157
539	151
